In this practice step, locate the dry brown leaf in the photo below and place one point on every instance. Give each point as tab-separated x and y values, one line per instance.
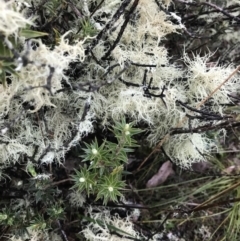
163	173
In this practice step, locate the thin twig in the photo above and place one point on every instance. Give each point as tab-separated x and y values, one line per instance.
56	183
222	11
218	9
62	231
123	27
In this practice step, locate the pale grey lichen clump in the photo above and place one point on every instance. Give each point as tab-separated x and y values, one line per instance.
101	230
10	20
36	235
60	127
63	113
141	43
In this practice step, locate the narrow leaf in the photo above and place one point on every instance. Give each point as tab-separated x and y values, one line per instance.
28	33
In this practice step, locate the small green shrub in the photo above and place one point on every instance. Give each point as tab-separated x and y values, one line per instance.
102	176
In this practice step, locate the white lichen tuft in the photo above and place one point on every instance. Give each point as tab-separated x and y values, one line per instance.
10	19
35	75
186	149
35	235
101	229
203	80
76	198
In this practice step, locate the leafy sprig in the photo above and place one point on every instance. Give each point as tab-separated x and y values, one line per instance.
103	169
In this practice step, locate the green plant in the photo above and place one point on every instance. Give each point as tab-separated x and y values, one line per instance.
102	175
88	29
